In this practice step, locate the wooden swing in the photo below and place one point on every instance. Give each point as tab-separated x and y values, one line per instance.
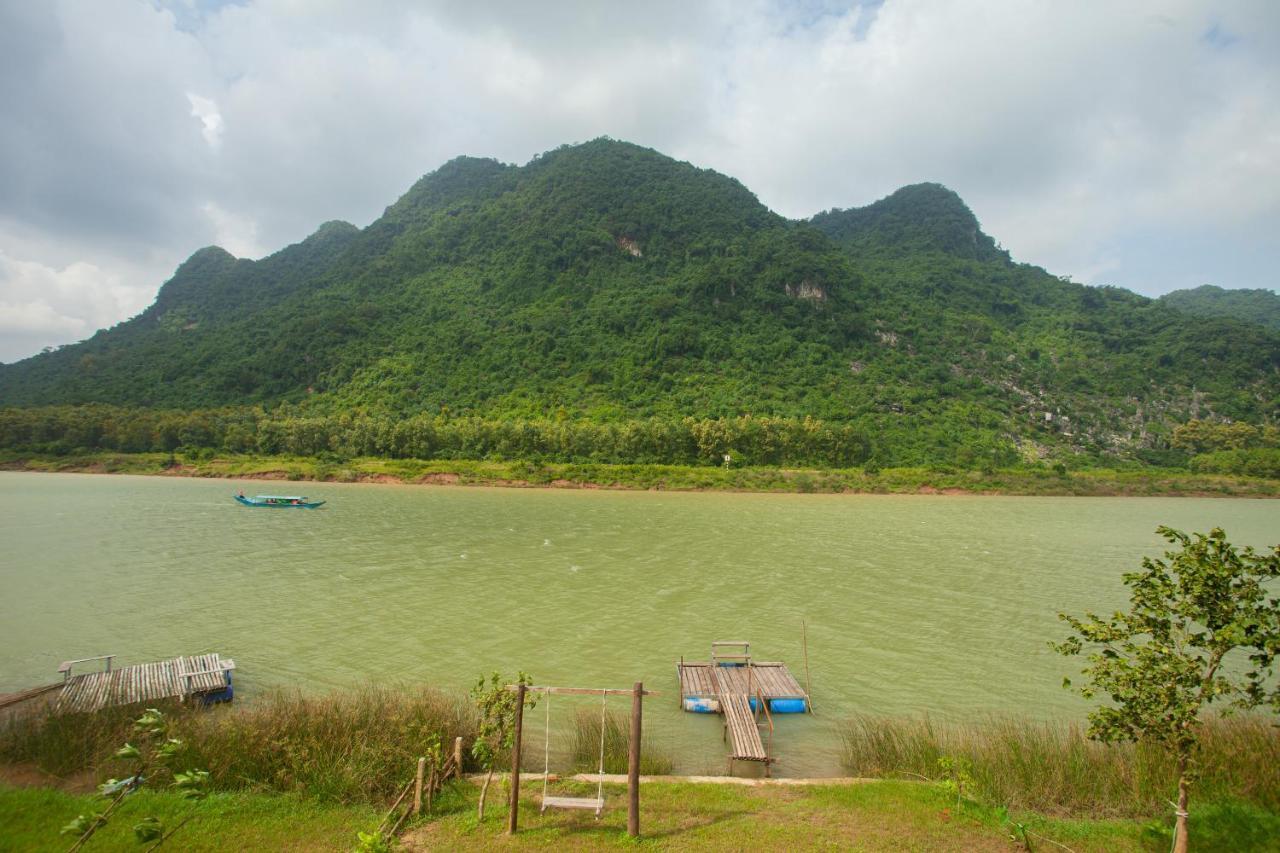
595	803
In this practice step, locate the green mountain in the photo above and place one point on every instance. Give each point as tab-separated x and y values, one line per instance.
608	283
1249	306
919	219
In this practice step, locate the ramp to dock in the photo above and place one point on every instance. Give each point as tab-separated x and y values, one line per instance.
181	677
740	725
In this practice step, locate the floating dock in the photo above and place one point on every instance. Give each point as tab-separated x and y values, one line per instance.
206	678
734	685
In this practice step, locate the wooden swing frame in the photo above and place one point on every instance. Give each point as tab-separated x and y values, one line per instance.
637	695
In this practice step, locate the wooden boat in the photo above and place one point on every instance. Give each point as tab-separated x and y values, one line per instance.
279	501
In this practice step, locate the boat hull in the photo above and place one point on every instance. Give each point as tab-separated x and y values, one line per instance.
279	505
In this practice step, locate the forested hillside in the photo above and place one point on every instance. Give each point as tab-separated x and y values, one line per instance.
606	284
1250	306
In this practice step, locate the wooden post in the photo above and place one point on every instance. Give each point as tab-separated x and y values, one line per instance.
417	786
457	757
515	763
804	640
633	764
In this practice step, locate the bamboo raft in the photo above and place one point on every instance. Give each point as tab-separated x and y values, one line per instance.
746	692
204	677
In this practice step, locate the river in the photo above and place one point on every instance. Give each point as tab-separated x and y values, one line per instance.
914	604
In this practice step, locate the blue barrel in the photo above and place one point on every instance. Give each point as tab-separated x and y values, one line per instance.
698	705
782	706
224	695
787	706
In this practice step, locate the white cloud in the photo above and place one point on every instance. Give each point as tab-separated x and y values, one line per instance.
45	306
1086	136
210	119
237	235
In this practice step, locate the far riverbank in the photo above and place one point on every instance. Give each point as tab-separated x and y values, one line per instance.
521	474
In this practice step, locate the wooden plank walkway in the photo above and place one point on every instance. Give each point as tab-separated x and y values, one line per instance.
177	678
21	696
740	725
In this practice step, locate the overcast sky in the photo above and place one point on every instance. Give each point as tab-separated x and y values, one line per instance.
1131	143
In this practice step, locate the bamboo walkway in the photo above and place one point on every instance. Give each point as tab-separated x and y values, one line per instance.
745	743
180	678
9	699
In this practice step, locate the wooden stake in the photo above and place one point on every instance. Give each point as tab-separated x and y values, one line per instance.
457	757
804	639
396	804
633	764
417	786
514	812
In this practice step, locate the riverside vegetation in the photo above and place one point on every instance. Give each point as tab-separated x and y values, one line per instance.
743	453
289	770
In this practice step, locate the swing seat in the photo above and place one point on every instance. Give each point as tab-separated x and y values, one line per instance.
595	804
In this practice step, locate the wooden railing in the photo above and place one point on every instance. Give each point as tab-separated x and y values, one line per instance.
65	668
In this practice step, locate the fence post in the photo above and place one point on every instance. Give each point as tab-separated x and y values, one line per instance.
515	763
417	786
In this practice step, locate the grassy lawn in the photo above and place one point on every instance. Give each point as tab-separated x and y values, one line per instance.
873	816
886	815
31	817
674	816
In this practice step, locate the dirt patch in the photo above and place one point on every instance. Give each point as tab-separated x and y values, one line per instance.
28	775
952	491
573	484
440	479
386	479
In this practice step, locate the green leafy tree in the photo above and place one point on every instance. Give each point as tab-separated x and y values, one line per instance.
496	736
1170	656
154	757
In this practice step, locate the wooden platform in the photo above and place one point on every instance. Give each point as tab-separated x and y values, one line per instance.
179	678
772	679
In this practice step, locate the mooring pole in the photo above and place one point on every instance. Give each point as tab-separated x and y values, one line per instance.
417	786
804	639
633	764
515	763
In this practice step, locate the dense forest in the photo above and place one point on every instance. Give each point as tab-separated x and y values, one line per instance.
1249	306
608	292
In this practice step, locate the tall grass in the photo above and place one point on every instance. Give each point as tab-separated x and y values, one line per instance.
348	746
64	744
1055	768
585	746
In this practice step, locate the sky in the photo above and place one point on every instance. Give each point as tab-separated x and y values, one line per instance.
1134	144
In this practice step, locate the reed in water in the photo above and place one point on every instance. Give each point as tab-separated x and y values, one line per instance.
1054	768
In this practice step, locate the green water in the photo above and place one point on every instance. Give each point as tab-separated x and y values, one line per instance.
914	604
